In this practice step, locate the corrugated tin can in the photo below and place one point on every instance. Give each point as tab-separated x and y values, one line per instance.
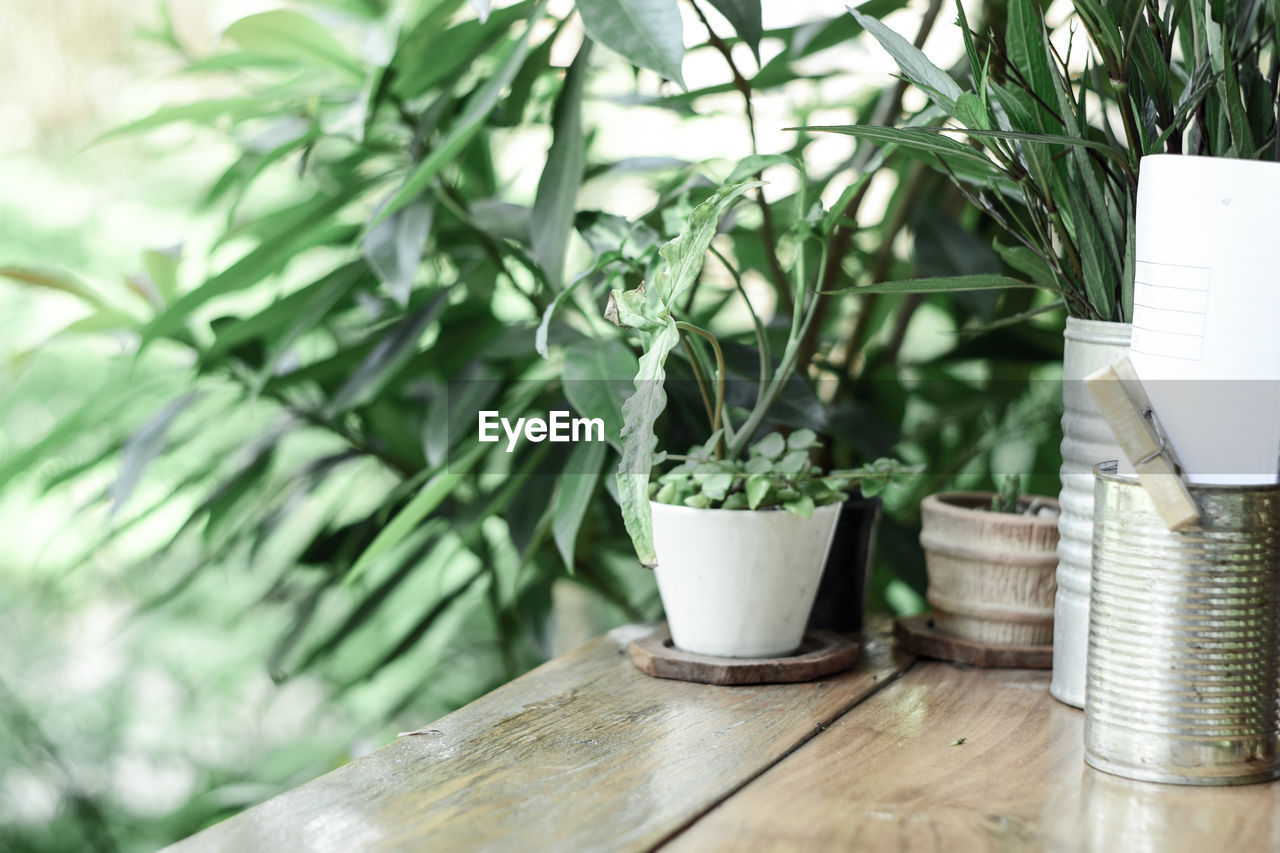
1183	676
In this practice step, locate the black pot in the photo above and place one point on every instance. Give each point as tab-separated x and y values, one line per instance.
842	592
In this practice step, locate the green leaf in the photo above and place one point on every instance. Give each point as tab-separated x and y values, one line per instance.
1100	278
390	354
311	301
463	129
294	37
291	231
393	248
942	284
639	414
142	447
162	267
915	66
201	112
683	256
648	33
431	495
54	280
1028	263
971	111
745	17
772	446
802	439
754	164
716	485
1028	51
757	488
596	378
433	53
557	196
919	139
794	463
801	506
544	325
1103	31
576	486
224	499
1046	138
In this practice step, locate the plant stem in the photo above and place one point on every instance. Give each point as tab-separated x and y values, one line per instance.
762	342
768	233
785	368
715	345
697	375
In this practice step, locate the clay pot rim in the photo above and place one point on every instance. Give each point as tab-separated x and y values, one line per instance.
961	505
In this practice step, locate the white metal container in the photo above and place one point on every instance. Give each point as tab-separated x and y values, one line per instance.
1086	441
739	583
1184	637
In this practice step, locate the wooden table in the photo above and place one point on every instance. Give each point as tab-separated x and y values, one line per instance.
586	752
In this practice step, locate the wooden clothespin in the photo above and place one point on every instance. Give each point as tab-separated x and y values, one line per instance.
1127	409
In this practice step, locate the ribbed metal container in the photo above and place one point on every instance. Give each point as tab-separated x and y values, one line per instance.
1086	441
1183	678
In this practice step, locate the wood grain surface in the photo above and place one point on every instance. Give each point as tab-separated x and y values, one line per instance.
949	758
585	752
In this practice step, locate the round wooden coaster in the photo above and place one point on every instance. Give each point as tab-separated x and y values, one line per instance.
918	635
821	653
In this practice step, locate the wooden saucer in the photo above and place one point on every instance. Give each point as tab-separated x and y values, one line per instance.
821	653
918	635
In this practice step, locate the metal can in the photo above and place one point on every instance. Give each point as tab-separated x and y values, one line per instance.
1183	674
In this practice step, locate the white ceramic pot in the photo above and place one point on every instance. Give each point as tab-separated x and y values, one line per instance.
1086	441
739	583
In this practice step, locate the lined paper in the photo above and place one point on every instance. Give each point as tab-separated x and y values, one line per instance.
1206	316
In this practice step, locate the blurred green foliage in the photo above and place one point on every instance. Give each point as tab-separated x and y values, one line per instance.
260	434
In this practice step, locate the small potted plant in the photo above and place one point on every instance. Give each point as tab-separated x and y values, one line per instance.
991	559
738	531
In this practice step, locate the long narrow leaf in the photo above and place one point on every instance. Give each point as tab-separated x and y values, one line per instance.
573	496
278	246
915	66
464	128
431	495
557	196
943	284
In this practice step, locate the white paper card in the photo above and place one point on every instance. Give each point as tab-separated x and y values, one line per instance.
1206	312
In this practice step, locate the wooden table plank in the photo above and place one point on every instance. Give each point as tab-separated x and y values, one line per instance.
583	752
886	776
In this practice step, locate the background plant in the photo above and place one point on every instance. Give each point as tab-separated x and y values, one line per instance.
1055	138
410	203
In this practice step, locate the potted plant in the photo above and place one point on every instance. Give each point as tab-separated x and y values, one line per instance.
1052	148
991	559
738	531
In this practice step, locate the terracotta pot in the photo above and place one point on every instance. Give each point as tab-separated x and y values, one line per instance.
991	574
